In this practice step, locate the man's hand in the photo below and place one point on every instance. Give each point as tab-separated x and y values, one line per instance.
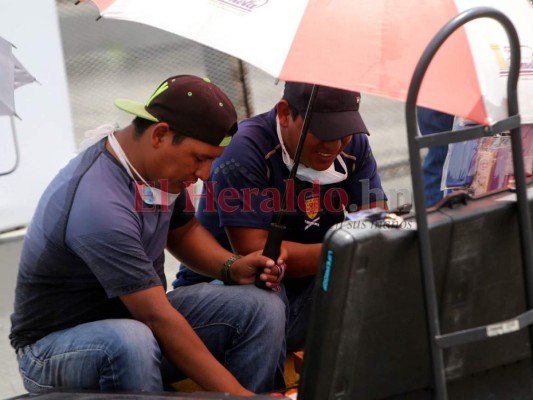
179	342
244	270
189	242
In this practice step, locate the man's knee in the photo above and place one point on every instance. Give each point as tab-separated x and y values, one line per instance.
134	358
132	340
266	308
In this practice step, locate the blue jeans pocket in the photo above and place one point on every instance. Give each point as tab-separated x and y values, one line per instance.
29	366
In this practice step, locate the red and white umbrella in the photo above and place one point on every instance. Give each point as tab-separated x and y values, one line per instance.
367	45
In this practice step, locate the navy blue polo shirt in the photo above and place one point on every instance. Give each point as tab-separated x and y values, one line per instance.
248	181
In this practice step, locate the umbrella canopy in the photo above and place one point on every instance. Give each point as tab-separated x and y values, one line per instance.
12	75
365	45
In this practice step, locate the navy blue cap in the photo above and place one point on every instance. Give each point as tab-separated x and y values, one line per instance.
335	113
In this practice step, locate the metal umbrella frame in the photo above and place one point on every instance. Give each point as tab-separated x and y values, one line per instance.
20	77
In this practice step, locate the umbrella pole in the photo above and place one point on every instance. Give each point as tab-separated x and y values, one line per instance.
277	229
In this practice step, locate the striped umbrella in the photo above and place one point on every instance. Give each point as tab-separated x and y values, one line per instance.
365	45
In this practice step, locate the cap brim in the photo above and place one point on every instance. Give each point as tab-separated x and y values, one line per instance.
336	125
225	141
135	108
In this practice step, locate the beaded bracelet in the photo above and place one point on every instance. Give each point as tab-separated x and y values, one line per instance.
226	269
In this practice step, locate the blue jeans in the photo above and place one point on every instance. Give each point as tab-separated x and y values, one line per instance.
298	295
432	121
242	326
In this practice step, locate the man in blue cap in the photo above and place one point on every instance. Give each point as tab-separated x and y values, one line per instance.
337	174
